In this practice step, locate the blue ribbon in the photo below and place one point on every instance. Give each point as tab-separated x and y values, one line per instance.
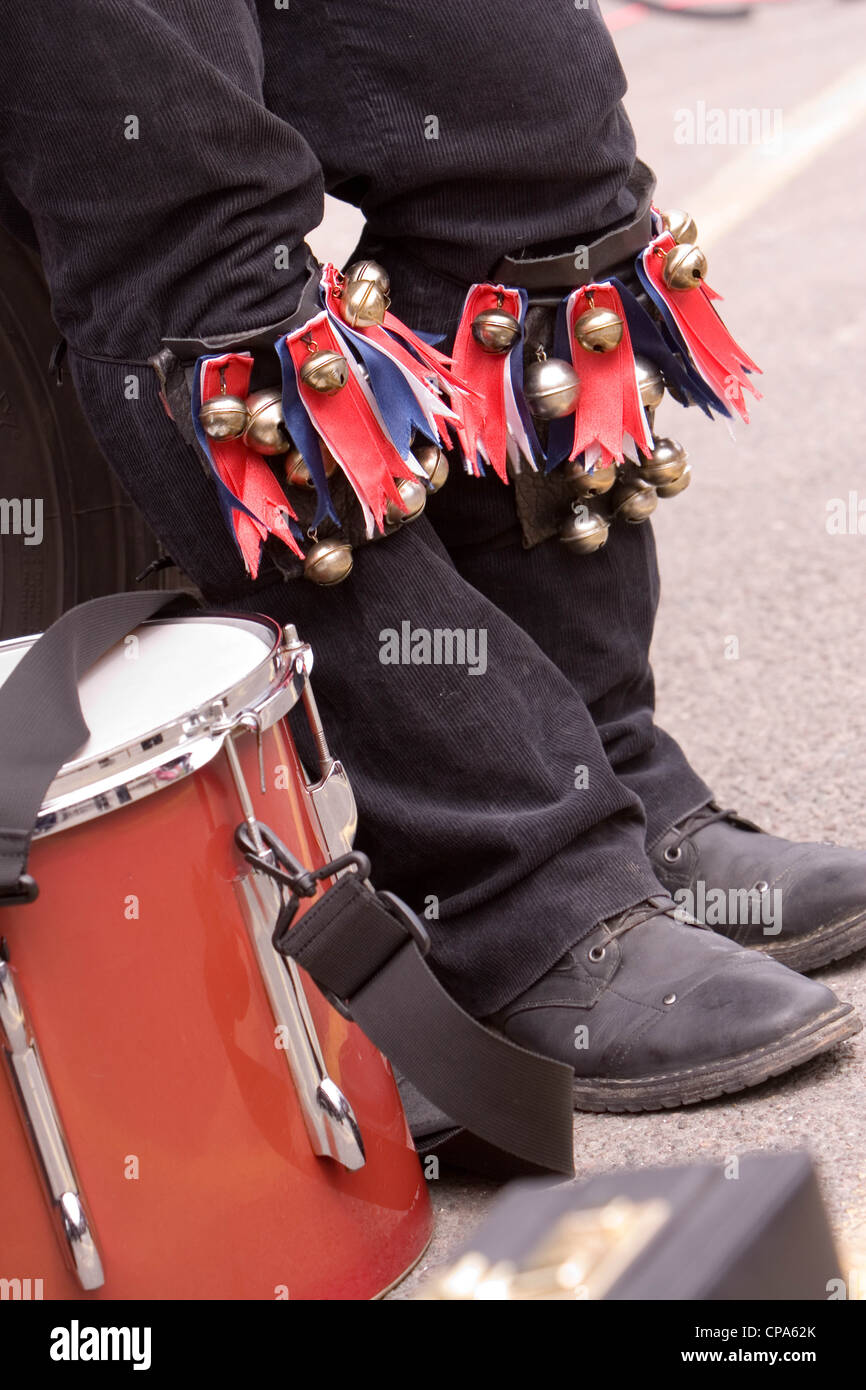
560	433
304	435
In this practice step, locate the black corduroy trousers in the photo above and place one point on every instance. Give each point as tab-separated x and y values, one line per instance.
168	157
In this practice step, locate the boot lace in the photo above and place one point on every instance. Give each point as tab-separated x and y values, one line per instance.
707	815
661	906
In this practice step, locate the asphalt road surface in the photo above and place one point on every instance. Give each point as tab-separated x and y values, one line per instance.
779	728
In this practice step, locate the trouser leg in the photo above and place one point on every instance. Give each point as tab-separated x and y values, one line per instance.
461	130
159	186
593	616
486	798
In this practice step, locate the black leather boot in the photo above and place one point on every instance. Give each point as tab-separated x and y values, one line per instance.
803	904
652	1012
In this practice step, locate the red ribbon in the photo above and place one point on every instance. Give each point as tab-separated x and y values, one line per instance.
609	405
244	472
433	359
721	361
482	427
348	425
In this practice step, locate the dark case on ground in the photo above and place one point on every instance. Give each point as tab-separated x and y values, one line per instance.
763	1234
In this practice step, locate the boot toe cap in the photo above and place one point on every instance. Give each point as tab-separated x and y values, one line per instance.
747	1005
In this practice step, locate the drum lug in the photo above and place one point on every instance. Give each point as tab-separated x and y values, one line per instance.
336	809
42	1124
330	1122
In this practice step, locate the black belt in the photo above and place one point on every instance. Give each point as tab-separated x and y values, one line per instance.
541	273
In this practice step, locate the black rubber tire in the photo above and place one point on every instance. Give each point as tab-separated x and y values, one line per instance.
94	539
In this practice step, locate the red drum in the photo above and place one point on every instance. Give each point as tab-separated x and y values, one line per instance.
199	1123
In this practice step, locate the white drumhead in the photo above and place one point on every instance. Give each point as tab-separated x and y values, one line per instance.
161	672
161	703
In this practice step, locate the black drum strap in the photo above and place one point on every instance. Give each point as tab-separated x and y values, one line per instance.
41	724
366	950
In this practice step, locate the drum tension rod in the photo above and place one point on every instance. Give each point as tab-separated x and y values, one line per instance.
294	646
250	720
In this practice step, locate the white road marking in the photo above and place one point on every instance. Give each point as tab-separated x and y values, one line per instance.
750	179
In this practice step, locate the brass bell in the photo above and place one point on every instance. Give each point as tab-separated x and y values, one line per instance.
584	531
297	473
551	387
681	225
651	383
637	501
266	429
599	330
362	303
435	464
665	464
326	371
371	271
414	495
223	417
590	483
684	268
676	485
328	562
495	330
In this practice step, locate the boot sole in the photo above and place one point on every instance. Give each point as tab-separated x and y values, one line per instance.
832	942
673	1089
